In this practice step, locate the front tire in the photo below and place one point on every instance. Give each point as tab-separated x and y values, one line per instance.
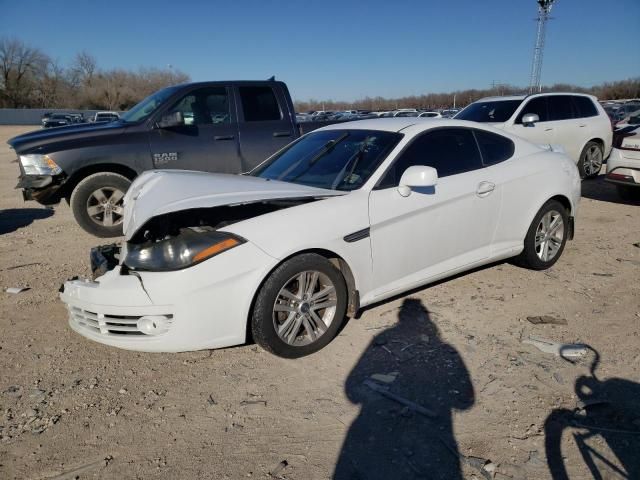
591	160
546	237
300	307
96	203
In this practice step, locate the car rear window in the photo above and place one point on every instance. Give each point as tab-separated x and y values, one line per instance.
584	107
489	112
494	148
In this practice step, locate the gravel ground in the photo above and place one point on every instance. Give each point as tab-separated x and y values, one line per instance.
478	402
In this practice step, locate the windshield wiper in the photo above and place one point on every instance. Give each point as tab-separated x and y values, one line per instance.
326	148
355	158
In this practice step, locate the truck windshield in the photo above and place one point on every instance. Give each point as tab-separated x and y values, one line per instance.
489	112
331	159
146	107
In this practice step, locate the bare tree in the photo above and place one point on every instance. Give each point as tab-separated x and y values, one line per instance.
20	65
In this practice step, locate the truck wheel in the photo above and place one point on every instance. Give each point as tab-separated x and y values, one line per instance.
590	161
96	203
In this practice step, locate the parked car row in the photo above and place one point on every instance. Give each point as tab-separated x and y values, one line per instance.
618	111
349	115
57	119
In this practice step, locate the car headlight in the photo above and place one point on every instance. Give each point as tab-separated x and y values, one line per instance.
36	164
188	248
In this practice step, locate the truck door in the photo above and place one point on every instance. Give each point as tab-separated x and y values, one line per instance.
207	141
265	123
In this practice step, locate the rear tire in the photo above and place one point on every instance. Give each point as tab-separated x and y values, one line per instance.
300	307
591	160
96	203
546	237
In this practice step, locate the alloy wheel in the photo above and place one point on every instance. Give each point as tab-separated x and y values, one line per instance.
105	206
549	235
304	308
592	160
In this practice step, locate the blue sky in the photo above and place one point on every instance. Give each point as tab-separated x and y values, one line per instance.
341	50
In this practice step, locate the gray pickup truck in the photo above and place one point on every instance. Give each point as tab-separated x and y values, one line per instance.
226	127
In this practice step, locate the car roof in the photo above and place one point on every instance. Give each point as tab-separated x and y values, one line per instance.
522	97
396	124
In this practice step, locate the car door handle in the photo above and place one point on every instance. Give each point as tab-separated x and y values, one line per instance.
548	129
582	126
223	137
485	188
281	134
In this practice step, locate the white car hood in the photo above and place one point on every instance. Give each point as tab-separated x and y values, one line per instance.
163	191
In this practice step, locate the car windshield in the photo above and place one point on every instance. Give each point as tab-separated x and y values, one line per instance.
146	107
492	111
59	117
331	159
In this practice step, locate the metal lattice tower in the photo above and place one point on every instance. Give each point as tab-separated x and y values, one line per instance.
544	10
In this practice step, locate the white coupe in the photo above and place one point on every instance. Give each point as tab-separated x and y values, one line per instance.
343	217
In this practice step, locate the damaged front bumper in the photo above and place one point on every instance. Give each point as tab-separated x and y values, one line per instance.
201	307
45	189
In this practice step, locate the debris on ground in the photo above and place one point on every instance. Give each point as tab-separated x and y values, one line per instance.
17	289
572	350
278	468
376	387
385	378
547	320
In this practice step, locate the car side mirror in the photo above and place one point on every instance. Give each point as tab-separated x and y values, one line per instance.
530	119
418	176
175	119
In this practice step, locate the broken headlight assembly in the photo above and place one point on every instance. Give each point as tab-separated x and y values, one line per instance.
36	164
189	247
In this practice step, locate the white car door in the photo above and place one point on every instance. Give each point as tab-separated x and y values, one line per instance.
572	133
542	132
433	230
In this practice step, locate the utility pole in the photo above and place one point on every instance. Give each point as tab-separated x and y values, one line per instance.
544	10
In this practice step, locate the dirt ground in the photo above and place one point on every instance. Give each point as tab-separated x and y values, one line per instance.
71	408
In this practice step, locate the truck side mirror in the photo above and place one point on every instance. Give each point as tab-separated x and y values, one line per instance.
530	119
175	119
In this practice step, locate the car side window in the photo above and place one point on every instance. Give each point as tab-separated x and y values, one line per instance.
584	107
560	107
204	106
493	147
259	104
449	150
537	105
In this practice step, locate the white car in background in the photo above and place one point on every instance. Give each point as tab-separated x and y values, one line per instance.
430	115
623	166
346	216
575	121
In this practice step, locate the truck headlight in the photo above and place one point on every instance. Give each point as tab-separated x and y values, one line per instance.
36	164
188	248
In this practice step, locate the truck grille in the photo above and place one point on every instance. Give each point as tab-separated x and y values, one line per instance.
106	324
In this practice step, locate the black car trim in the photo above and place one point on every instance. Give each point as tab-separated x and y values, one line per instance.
355	236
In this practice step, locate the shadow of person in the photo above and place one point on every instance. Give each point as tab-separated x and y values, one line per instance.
599	189
608	410
389	440
15	218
